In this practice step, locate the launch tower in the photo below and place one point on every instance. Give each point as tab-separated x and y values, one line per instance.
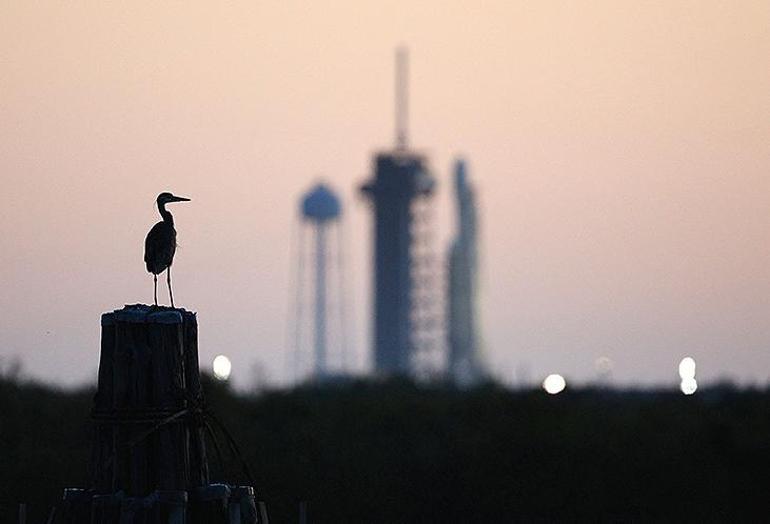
400	182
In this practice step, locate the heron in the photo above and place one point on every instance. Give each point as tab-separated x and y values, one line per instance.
160	244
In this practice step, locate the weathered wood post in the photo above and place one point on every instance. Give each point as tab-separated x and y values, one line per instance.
149	460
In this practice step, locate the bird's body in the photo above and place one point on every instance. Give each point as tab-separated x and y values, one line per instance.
160	244
159	247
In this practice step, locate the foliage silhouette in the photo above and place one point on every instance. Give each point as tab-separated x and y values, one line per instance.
394	452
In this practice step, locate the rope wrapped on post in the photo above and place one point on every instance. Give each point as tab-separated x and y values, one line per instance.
199	415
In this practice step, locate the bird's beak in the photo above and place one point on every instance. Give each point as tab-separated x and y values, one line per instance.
179	199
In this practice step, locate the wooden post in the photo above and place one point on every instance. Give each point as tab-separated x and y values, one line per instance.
149	461
303	512
243	507
263	518
144	411
75	506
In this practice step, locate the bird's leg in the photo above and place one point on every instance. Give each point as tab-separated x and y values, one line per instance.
168	281
155	280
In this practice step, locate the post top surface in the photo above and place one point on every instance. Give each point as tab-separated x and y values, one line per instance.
144	314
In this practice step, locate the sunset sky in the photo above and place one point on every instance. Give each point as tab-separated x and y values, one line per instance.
621	152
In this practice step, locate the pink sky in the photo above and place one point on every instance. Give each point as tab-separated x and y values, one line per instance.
621	152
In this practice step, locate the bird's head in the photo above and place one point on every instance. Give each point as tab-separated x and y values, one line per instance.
167	198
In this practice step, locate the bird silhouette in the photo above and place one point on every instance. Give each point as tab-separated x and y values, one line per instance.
160	244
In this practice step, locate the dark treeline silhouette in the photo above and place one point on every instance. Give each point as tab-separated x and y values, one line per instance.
393	452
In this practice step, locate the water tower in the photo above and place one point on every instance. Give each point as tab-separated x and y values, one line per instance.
320	211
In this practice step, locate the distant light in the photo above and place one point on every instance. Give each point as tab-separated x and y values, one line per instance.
688	386
687	368
554	384
222	367
604	365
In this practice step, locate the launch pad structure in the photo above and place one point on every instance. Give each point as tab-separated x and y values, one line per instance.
404	304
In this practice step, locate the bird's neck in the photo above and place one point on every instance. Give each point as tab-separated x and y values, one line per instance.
165	214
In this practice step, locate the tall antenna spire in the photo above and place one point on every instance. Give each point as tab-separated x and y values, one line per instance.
402	98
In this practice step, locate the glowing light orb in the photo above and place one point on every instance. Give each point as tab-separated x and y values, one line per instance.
688	386
222	367
687	368
554	384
